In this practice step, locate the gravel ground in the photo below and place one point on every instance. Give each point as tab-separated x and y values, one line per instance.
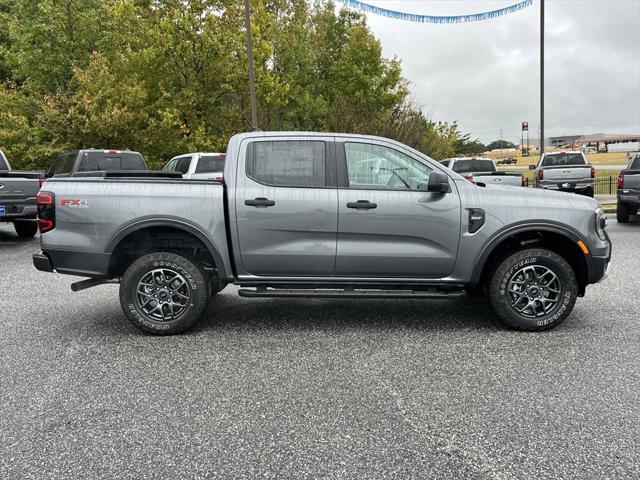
272	388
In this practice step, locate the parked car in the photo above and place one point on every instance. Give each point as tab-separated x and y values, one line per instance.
564	171
483	170
507	161
88	162
207	166
629	190
297	217
18	191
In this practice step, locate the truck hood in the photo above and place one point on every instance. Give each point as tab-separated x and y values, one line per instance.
527	202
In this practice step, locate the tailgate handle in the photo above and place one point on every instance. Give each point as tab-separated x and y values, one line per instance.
260	202
362	205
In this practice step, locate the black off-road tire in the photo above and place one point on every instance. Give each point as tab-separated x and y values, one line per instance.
622	213
194	284
25	228
510	268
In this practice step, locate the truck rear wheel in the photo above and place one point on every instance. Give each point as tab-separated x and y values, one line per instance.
533	290
163	293
622	213
25	228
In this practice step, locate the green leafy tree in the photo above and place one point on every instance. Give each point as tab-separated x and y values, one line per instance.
500	144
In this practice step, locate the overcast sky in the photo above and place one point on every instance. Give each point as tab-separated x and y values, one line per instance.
486	74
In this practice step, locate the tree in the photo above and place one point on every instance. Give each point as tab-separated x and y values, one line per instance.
500	144
170	76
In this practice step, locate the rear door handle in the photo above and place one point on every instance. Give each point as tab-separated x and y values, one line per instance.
362	205
260	202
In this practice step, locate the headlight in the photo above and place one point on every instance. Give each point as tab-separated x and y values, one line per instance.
601	223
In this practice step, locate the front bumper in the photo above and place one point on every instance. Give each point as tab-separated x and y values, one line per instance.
598	266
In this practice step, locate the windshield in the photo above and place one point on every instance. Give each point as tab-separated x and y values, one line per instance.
476	165
99	161
562	159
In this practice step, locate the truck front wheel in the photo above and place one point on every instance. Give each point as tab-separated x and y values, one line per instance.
163	293
533	290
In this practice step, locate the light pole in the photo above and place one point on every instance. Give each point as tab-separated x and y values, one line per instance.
541	77
252	86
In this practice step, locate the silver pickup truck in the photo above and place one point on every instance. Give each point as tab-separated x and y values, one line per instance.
629	190
565	172
483	170
322	215
18	198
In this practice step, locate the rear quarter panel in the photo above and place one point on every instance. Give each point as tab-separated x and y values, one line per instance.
108	207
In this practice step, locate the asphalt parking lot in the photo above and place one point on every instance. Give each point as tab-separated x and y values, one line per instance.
272	388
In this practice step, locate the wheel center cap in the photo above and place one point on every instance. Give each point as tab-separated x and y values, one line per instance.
533	290
163	294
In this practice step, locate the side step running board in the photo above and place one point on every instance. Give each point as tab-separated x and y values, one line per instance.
355	293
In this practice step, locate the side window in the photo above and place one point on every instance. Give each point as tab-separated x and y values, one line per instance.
288	163
378	167
182	165
69	161
171	166
209	164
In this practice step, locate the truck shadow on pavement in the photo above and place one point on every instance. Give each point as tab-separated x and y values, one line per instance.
229	312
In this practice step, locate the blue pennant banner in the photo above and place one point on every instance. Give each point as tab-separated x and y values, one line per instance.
412	17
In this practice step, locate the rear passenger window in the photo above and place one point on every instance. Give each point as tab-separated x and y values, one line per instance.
69	162
288	163
209	164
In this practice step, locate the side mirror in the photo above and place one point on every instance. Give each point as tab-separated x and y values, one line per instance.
438	183
532	167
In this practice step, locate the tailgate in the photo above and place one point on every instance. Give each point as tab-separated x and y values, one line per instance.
16	193
631	180
499	178
567	173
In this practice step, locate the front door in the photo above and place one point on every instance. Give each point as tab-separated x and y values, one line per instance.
388	224
287	207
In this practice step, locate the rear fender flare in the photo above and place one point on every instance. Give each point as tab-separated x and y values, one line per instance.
173	222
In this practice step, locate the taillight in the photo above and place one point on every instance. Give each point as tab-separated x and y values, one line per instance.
523	182
42	180
540	174
469	178
620	181
46	211
593	172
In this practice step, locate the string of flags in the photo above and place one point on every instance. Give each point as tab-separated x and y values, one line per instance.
412	17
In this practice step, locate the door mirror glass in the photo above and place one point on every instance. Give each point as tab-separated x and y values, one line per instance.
438	183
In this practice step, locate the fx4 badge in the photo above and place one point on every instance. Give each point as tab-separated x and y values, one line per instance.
74	203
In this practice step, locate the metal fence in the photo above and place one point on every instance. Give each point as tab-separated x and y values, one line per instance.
601	185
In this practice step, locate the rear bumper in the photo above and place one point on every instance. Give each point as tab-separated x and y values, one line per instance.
82	264
629	198
583	186
15	211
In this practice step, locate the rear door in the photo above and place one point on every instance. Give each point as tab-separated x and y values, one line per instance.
287	207
388	224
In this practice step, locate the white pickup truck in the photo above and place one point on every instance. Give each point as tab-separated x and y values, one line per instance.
566	172
483	170
198	166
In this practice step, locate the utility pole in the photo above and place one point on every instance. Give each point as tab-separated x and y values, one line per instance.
252	80
541	77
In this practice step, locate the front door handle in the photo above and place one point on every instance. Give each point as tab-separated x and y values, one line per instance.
260	202
362	205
